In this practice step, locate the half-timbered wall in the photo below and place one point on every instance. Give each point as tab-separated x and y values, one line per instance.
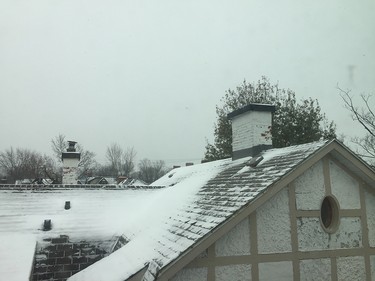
285	239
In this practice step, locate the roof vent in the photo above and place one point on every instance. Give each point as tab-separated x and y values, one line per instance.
255	161
251	129
47	225
67	205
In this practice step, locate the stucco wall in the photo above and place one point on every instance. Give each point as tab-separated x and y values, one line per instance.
236	242
311	236
351	268
310	188
273	225
315	270
280	271
191	274
344	187
239	272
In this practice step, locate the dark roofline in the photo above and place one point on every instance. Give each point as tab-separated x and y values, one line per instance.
252	107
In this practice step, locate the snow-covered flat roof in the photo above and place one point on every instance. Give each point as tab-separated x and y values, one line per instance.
101	211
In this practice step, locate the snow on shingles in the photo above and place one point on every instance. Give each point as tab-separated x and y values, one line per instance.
16	256
278	153
157	240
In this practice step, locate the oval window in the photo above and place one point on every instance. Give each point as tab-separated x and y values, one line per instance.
329	214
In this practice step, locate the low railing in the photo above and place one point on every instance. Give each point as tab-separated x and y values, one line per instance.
75	186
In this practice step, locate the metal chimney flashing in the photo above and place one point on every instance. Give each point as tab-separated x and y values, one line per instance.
252	151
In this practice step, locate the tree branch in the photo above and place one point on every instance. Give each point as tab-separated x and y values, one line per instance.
360	117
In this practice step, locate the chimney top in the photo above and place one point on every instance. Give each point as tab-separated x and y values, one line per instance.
251	129
71	147
252	107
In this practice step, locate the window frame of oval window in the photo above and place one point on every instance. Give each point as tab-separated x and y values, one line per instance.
335	206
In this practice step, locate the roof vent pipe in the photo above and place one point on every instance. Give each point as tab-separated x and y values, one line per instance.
251	129
47	225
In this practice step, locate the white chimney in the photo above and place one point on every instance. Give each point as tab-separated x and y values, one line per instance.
70	161
251	129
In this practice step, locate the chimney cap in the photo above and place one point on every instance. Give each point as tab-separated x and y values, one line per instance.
71	146
252	107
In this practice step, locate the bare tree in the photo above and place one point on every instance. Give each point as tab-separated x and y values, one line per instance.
150	171
365	116
128	161
59	145
121	161
87	163
21	164
114	154
52	170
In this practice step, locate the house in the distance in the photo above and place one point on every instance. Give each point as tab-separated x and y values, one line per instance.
305	212
132	182
101	180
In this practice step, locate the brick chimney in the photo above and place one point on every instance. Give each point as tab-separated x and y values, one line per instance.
251	129
70	161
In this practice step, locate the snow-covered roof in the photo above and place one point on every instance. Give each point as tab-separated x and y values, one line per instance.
161	224
195	201
132	182
23	210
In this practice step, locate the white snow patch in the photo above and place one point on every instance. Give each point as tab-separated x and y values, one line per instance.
180	174
243	170
17	254
277	152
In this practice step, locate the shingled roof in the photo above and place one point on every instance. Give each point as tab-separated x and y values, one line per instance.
164	227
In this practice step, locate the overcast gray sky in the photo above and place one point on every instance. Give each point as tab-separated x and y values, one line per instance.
148	74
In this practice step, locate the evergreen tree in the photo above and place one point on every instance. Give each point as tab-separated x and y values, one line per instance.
293	122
